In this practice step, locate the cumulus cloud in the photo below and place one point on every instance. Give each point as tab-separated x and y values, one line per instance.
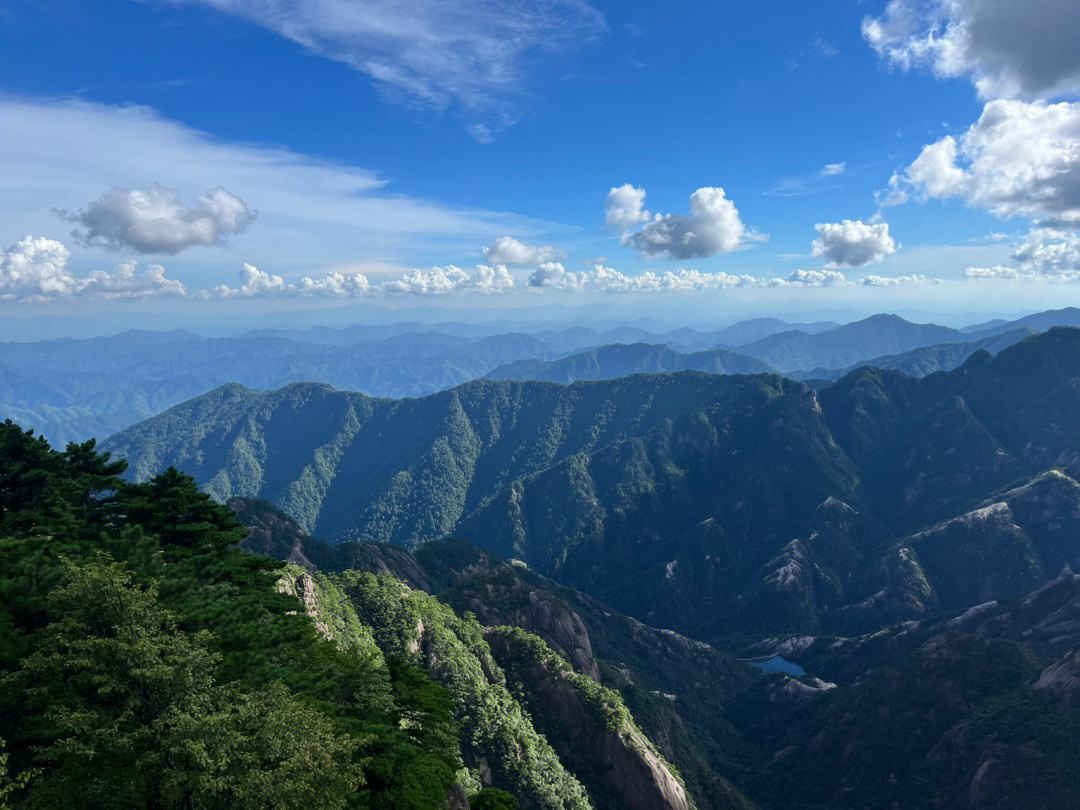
471	56
450	279
553	275
713	226
1050	251
998	272
334	285
127	281
833	169
1046	254
895	281
157	221
508	250
810	278
605	279
1018	159
1007	49
254	283
602	278
853	243
608	279
36	269
625	207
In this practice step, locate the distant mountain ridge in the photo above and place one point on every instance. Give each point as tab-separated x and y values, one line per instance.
849	344
74	389
928	359
621	360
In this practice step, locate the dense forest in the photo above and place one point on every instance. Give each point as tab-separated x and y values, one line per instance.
149	660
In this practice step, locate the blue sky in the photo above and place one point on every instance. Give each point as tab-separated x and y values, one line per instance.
381	138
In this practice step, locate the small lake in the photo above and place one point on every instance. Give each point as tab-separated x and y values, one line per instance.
776	663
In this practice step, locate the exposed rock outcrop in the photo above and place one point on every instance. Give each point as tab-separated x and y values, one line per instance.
636	771
509	601
1062	677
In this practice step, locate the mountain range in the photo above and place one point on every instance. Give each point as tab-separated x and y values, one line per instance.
70	390
719	506
671	589
622	360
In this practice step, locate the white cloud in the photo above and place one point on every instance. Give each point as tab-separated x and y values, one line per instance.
833	169
126	281
311	211
1050	251
472	56
853	243
810	278
334	284
157	221
36	269
999	272
553	275
1006	48
1046	254
609	280
508	250
894	281
1018	159
491	279
605	279
624	207
254	283
451	279
714	226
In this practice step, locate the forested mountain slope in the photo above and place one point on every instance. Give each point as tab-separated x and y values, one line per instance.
678	689
960	710
146	660
714	505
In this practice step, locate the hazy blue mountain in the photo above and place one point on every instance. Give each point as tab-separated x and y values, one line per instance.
928	359
621	360
73	389
1039	321
743	332
847	345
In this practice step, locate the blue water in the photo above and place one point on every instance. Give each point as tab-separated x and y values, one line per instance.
778	663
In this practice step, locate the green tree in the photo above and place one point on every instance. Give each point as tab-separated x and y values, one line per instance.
492	799
130	714
172	507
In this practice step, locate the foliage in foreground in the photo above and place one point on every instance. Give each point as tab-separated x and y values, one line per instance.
146	661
